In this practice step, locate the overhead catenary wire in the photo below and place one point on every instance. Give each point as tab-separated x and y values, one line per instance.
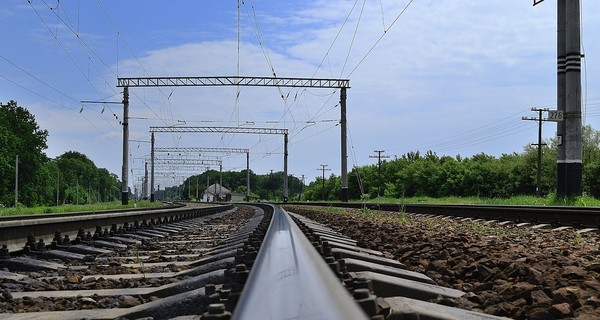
86	48
502	128
58	104
66	52
385	32
362	9
166	97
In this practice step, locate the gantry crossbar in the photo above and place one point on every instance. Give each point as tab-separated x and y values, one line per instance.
126	83
192	149
191	162
232	81
220	130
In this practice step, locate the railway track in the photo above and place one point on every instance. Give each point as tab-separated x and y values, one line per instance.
248	262
543	216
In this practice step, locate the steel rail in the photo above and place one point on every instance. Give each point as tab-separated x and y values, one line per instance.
84	213
588	217
290	280
13	233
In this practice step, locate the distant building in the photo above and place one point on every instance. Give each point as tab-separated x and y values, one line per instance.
216	193
237	197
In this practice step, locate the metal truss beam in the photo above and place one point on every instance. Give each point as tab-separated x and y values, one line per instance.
182	162
342	84
220	130
232	81
283	132
221	150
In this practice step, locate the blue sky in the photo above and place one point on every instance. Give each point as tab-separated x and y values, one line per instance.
453	76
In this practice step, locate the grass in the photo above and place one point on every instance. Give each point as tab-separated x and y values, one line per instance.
138	259
334	210
76	208
550	200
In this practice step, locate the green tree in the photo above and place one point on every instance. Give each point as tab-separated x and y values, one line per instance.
20	136
591	161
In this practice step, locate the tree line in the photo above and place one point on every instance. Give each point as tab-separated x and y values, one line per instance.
262	186
415	174
70	178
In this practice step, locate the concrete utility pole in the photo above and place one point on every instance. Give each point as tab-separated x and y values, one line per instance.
323	166
145	182
16	181
248	176
561	94
573	139
270	185
301	188
124	189
285	168
569	164
379	156
57	185
152	167
344	146
539	119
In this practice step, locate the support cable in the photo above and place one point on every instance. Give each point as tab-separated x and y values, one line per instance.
381	37
353	37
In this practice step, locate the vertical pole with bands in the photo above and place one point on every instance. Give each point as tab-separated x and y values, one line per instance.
561	96
344	194
573	143
124	189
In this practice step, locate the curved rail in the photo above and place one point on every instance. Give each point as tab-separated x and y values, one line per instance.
290	280
588	217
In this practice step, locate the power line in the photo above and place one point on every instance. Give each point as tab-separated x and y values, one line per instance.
380	38
38	79
67	53
379	157
479	134
335	38
353	37
323	168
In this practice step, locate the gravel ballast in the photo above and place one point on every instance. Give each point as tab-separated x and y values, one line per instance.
510	271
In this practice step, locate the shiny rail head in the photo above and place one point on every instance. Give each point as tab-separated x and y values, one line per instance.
290	280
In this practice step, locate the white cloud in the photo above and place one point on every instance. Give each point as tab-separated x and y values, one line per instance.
444	68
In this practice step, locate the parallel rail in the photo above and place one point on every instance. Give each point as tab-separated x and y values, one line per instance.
169	205
586	217
14	232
